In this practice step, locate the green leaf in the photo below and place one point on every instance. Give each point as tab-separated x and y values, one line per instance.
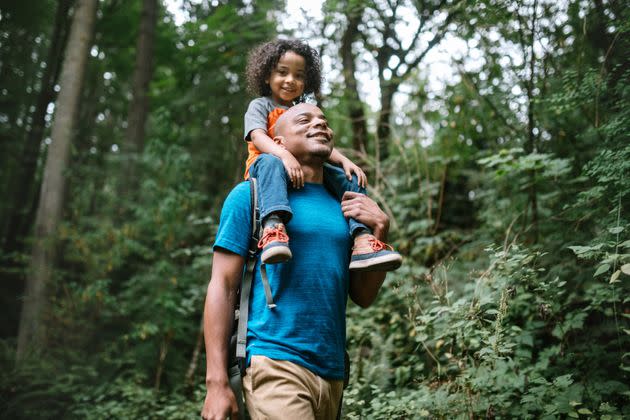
601	270
615	230
615	276
625	269
584	411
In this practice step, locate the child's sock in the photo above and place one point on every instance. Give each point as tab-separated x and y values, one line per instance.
272	220
360	231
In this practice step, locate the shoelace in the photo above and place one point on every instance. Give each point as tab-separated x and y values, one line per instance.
271	235
378	245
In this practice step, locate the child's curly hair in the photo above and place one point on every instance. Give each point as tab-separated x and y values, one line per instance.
264	58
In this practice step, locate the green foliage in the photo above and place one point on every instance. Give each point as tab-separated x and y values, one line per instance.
534	326
511	212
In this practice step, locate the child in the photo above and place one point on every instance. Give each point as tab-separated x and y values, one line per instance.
282	72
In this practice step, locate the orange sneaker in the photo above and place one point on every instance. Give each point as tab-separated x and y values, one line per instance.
275	245
370	254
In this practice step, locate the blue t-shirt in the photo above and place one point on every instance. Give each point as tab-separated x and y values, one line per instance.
307	327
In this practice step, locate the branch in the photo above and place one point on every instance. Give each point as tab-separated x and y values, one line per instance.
436	40
491	104
438	216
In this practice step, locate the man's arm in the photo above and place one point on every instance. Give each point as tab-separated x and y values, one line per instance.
364	286
218	317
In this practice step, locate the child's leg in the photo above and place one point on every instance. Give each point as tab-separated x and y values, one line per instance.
273	202
337	183
368	253
272	187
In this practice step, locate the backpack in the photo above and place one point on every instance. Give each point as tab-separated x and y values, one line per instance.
236	355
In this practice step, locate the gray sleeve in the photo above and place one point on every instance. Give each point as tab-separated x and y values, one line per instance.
256	116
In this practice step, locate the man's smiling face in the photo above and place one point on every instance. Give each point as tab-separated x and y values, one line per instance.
305	132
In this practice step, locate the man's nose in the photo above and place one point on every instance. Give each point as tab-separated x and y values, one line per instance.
320	122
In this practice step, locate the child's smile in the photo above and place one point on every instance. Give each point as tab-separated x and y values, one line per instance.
287	79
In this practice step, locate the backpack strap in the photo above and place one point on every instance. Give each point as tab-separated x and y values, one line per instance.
248	275
266	287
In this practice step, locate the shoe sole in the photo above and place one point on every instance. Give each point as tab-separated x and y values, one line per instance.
276	254
384	263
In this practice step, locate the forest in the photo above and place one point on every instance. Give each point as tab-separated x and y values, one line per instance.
495	135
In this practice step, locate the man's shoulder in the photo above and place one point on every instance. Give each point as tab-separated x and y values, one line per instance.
235	222
239	195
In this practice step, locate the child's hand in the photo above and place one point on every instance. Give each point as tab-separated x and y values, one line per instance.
350	168
294	170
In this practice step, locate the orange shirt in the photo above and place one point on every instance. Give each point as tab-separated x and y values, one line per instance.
253	152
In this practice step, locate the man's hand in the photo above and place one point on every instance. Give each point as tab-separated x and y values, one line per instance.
362	208
294	169
220	403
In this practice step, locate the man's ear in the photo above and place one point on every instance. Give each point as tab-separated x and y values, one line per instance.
279	140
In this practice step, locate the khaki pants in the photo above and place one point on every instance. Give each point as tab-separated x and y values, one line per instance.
276	389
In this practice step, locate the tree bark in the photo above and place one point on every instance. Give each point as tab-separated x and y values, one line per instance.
143	72
530	146
31	332
21	215
194	360
383	130
357	115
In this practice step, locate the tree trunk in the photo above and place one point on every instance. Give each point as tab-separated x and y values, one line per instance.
31	332
530	146
24	186
357	115
383	130
194	360
139	106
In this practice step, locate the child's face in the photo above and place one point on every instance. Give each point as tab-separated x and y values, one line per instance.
287	79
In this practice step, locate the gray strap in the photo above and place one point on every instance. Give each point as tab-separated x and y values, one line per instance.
236	383
246	287
265	282
248	276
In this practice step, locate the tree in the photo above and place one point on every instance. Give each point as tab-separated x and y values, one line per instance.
139	107
51	195
354	16
25	28
20	218
395	57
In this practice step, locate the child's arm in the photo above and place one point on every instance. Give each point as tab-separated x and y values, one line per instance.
337	158
265	144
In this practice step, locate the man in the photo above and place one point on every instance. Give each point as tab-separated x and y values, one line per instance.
295	350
